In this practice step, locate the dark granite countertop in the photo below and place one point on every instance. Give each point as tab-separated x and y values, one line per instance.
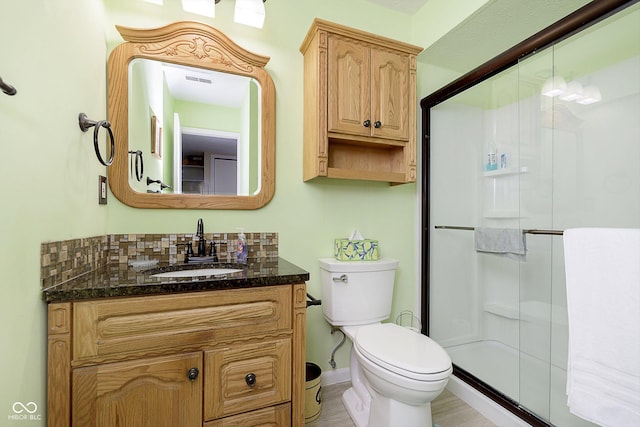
119	280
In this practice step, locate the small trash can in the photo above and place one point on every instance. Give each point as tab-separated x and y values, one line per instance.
312	393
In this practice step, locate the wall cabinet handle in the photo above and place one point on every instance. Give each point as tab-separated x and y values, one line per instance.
377	124
250	379
366	123
192	374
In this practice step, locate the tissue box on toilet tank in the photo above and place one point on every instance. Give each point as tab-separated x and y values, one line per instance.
356	250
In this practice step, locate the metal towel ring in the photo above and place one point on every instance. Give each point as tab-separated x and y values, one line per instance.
139	164
85	123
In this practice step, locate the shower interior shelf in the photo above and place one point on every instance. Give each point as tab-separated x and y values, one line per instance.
502	214
505	171
502	310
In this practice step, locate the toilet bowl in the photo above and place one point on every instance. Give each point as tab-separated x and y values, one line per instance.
395	371
406	371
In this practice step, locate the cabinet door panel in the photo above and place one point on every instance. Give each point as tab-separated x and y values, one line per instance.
349	75
142	393
274	416
389	94
227	390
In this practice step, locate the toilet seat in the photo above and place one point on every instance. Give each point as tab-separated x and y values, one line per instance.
403	351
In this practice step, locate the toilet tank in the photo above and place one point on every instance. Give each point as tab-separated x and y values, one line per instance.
357	292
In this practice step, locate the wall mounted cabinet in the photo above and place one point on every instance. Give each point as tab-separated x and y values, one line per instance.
359	105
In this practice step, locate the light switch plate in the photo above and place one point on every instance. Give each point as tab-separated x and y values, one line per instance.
102	190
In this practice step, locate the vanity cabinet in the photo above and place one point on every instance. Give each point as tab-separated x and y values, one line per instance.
360	105
211	359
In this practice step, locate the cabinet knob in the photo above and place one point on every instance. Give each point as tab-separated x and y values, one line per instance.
250	379
377	124
366	123
192	374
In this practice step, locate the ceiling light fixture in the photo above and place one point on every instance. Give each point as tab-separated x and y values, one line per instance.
200	7
554	86
249	12
590	95
572	92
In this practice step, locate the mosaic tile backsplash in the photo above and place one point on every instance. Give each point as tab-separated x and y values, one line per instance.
64	260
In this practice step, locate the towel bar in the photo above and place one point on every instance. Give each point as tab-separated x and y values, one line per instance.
530	231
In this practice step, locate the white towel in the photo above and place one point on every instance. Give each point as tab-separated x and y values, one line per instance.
509	242
603	300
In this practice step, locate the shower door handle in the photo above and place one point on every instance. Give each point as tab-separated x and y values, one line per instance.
343	279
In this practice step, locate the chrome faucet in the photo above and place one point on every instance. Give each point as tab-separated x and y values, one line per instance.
200	235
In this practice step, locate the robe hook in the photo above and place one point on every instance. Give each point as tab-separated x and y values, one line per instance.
7	88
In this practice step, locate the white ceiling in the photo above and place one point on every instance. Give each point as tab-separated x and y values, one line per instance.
206	86
406	6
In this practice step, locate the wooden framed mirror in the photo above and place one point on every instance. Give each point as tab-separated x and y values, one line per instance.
148	120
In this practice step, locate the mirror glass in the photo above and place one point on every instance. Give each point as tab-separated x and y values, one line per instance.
197	127
193	116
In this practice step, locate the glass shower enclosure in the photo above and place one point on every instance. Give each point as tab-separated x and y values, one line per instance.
550	143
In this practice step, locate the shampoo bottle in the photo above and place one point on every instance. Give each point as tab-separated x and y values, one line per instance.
241	248
492	157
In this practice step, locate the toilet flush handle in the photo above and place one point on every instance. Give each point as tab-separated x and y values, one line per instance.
343	278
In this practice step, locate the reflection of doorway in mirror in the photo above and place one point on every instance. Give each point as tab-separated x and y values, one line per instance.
224	173
208	162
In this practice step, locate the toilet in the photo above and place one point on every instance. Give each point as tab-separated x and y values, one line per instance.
395	372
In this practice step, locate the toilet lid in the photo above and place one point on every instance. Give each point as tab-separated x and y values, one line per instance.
403	351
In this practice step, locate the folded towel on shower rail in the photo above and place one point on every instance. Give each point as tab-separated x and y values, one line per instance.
509	242
602	268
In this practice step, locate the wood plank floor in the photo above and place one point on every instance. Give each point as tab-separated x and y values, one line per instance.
447	410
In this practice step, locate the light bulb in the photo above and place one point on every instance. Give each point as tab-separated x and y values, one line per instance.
590	95
554	86
572	92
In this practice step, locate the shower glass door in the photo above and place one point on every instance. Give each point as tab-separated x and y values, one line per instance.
550	144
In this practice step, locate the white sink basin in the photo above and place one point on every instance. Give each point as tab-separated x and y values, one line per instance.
198	272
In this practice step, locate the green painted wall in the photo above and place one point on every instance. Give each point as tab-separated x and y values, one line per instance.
205	116
54	54
167	138
50	174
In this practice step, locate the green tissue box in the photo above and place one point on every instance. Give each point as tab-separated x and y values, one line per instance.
356	250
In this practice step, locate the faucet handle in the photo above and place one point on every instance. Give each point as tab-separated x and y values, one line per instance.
213	252
189	251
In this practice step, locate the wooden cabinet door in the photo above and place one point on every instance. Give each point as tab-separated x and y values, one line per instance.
246	377
348	86
390	101
153	392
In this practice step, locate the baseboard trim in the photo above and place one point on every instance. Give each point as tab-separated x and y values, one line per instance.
335	376
487	407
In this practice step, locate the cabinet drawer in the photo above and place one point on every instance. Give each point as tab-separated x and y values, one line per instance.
274	416
105	328
246	377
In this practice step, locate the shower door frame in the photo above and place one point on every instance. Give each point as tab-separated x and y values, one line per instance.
574	23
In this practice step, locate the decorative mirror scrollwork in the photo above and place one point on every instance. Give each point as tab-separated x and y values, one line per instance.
204	50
